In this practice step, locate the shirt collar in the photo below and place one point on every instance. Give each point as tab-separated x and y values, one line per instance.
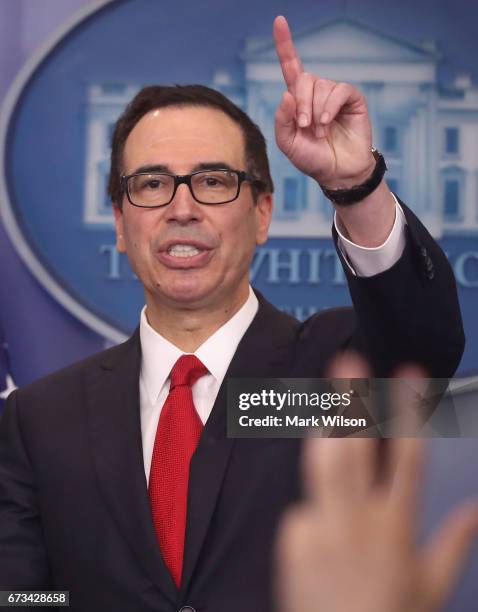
158	355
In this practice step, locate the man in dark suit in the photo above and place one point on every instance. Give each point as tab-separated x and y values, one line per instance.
117	481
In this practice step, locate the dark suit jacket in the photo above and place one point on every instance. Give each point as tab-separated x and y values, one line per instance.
74	506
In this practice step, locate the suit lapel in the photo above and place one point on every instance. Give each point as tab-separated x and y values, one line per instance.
115	435
264	351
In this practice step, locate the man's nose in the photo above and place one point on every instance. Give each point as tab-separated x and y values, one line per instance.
183	208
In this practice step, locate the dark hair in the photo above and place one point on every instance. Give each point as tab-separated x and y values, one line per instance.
160	96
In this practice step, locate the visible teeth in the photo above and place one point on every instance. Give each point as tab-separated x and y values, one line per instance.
183	250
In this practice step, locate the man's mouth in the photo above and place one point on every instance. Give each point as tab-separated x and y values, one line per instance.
185	255
183	250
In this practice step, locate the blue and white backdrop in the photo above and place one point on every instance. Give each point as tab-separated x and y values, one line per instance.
67	69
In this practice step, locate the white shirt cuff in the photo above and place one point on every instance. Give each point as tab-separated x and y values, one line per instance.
368	261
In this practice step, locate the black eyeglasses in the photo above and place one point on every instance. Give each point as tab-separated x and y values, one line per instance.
156	189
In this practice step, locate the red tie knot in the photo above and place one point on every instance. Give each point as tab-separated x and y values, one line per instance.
186	371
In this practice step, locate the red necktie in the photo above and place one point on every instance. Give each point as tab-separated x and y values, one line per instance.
177	437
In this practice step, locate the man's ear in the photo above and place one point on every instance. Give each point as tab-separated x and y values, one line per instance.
120	242
263	208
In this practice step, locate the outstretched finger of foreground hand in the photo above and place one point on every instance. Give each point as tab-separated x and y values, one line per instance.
406	448
338	473
445	555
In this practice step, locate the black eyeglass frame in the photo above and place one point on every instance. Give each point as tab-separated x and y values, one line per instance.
186	178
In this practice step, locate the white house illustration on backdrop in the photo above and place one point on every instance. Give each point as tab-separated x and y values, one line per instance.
427	132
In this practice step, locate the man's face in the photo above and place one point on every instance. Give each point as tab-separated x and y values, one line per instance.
182	140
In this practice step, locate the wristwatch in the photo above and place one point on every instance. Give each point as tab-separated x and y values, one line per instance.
345	197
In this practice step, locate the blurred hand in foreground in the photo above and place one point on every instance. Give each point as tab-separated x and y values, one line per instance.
351	546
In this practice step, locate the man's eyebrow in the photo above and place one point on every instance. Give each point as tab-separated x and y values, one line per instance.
210	165
213	165
152	168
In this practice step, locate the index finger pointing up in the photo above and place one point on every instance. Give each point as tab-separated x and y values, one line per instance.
290	61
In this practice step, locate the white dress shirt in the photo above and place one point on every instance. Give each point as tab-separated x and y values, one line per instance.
158	355
368	261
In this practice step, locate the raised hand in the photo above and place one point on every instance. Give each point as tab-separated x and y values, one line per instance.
352	544
322	126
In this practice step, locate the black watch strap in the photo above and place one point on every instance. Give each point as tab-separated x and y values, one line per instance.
357	193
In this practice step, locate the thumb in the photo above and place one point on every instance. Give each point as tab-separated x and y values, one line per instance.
285	126
445	554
